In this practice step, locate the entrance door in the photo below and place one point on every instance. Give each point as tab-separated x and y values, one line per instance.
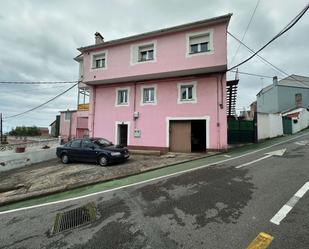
123	135
180	136
198	135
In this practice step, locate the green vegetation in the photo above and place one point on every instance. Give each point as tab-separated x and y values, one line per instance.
25	131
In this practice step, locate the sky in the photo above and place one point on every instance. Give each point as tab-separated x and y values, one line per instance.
38	41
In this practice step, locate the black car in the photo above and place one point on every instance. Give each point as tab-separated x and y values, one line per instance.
97	150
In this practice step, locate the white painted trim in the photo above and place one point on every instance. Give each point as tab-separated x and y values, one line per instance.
116	131
134	49
168	119
149	180
142	94
116	97
211	42
194	100
91	60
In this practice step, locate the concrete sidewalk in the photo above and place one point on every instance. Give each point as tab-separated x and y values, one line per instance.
52	176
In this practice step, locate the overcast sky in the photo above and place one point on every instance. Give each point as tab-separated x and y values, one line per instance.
38	41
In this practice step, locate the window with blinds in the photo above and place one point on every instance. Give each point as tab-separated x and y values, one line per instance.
199	43
99	60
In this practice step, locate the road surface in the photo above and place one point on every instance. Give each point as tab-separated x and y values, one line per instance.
219	206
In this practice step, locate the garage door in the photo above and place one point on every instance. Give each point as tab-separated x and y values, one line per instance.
180	136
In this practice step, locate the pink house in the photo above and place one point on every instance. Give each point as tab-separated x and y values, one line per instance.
163	90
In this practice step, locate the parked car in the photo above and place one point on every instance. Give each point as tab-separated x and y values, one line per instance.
97	150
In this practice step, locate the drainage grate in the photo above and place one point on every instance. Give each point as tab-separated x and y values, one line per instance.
74	218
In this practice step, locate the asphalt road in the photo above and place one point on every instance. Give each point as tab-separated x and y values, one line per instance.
215	207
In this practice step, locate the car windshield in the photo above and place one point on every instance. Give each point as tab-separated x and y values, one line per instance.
102	142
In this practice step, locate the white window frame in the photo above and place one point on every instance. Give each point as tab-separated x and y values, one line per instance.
92	64
64	116
142	103
128	100
208	32
134	60
83	91
194	95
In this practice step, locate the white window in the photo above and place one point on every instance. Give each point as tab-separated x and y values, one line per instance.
187	92
148	95
122	96
200	43
99	60
67	116
143	53
83	96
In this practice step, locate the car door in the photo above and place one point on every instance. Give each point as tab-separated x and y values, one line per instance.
74	152
89	151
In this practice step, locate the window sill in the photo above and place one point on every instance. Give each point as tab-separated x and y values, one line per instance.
187	101
148	103
123	104
200	53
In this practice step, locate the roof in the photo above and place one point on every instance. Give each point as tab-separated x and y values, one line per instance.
290	81
295	81
53	122
205	22
68	111
293	111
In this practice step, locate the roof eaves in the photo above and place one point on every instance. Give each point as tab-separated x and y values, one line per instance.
219	19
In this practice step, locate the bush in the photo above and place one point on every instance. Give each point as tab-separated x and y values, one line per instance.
25	131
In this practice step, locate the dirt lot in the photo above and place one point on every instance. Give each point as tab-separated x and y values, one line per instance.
53	176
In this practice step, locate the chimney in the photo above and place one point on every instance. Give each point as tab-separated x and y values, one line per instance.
275	80
98	38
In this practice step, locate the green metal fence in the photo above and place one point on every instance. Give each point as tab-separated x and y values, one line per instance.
241	131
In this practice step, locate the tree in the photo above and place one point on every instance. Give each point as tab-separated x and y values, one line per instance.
25	131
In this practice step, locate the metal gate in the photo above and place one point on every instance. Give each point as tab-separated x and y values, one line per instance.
241	131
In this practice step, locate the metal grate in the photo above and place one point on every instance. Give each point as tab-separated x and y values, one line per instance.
74	218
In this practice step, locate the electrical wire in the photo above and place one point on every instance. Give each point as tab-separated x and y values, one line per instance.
287	28
249	23
267	62
50	100
252	74
37	82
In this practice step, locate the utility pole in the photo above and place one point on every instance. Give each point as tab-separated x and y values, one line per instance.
1	138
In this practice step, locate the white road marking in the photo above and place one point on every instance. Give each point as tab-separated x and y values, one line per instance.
302	143
283	212
252	162
270	154
149	180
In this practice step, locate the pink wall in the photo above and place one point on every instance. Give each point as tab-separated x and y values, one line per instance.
152	120
171	56
65	126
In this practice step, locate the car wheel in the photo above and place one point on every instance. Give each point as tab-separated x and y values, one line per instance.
103	160
64	158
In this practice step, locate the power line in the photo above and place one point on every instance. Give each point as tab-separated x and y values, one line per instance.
34	108
249	23
287	28
37	82
266	61
259	56
252	74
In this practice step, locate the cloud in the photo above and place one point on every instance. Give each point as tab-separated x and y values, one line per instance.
38	41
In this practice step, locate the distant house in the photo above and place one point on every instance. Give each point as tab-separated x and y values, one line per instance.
44	131
55	126
283	95
162	90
